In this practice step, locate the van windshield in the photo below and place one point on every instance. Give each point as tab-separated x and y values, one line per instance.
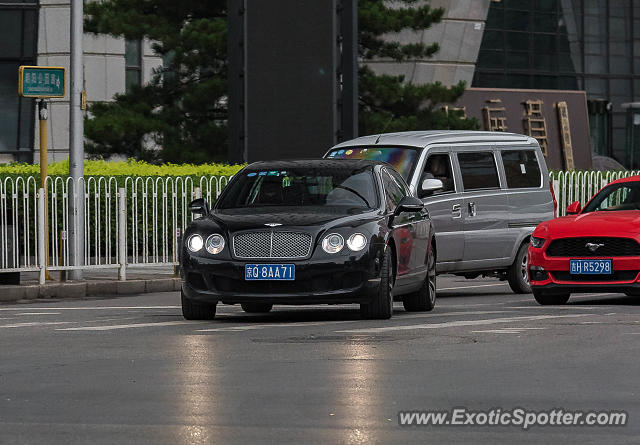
402	159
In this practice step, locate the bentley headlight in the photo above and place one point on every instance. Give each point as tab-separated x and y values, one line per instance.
215	244
357	242
333	243
195	243
536	242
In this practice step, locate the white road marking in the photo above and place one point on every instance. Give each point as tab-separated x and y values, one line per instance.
35	323
129	326
87	308
508	330
453	324
38	313
539	307
250	327
473	287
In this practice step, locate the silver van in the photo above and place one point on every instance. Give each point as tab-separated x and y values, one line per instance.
485	192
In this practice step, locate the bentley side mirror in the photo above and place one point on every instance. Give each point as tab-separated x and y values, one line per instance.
430	185
199	207
574	208
409	204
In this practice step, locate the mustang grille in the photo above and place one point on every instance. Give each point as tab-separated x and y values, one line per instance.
272	245
577	247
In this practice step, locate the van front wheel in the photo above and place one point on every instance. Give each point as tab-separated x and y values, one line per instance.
518	276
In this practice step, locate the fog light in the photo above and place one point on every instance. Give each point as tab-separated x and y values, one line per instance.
537	273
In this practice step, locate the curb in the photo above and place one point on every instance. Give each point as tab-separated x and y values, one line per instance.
82	289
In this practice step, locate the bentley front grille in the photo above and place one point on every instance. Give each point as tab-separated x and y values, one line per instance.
266	244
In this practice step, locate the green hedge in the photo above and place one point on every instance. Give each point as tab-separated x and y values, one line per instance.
121	169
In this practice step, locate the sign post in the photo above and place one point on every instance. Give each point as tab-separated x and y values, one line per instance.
42	82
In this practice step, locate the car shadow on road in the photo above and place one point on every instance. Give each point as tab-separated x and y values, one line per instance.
617	300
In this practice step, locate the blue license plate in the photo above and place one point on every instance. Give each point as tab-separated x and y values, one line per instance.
277	272
591	267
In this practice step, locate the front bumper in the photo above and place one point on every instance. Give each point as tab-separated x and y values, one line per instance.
556	277
340	279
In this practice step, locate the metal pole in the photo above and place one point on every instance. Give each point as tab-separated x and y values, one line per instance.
42	260
43	114
76	142
122	234
349	32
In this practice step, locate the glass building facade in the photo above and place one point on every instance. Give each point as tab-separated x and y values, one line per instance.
591	45
18	46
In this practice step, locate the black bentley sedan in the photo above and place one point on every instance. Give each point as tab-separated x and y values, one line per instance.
310	232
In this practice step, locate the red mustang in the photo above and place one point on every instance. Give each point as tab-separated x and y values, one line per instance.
592	250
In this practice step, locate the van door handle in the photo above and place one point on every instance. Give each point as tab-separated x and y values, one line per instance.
456	211
472	209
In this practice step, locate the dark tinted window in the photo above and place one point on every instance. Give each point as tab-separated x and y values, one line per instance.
342	187
478	170
521	168
623	196
393	191
439	167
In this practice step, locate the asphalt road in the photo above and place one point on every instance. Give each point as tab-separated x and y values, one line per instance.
131	370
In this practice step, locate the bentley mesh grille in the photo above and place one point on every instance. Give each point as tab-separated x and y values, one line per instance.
272	245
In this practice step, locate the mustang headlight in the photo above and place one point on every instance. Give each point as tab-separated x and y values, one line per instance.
357	242
195	243
536	242
333	243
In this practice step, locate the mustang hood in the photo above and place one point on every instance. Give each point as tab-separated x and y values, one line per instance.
597	224
235	220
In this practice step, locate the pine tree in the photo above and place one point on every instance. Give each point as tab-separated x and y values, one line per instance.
388	103
183	110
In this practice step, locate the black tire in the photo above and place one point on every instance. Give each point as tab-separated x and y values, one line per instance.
197	311
425	298
256	308
518	276
550	299
381	306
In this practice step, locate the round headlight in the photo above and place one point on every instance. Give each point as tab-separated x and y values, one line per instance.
215	244
333	243
357	242
195	243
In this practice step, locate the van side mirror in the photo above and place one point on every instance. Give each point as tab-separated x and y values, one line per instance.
574	208
430	185
199	207
409	204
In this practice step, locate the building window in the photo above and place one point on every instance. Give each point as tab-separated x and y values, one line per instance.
18	31
133	64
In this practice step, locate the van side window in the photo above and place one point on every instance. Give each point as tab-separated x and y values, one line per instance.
478	170
521	168
439	167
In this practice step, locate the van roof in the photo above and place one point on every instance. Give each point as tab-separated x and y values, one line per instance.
424	138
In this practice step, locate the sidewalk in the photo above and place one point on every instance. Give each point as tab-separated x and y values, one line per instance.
96	283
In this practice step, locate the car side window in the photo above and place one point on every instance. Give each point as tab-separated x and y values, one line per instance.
438	166
521	168
478	170
393	191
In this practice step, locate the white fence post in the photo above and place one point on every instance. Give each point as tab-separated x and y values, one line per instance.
122	234
42	261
